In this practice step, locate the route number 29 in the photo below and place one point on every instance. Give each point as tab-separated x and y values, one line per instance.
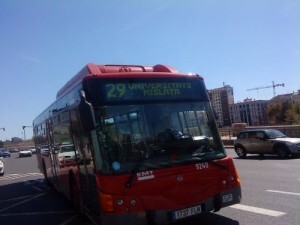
115	90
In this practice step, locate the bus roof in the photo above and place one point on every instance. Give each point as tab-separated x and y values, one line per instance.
93	69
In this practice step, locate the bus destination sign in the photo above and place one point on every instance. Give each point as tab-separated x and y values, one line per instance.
154	90
124	90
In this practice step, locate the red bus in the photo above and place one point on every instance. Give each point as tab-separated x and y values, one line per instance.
130	144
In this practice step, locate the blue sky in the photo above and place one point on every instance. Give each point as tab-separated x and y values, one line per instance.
245	44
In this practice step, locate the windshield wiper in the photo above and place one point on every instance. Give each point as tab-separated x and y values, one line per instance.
133	174
137	168
211	161
217	164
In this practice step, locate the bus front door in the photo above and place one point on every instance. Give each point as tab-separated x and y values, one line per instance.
86	167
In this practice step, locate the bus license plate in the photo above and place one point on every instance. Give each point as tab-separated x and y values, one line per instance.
186	212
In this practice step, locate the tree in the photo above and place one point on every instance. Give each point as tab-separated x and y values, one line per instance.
293	115
283	113
273	113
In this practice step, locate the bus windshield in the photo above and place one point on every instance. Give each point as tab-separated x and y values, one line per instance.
142	137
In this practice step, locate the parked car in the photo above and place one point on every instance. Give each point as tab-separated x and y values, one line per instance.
4	153
33	150
13	150
1	167
25	153
266	141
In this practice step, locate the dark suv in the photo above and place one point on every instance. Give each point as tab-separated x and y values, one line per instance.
266	141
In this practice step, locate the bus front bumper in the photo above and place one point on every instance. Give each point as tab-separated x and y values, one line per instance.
158	217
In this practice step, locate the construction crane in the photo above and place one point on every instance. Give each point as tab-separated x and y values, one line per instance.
271	86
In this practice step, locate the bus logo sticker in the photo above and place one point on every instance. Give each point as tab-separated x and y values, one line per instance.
116	165
146	175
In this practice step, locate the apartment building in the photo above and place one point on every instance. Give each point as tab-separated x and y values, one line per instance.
296	98
251	112
221	99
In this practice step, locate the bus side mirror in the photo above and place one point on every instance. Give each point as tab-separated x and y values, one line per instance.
86	113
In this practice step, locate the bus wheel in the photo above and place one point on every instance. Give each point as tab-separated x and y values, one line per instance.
240	151
76	199
74	192
45	174
72	188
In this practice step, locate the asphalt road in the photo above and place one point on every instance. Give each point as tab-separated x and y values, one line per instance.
270	187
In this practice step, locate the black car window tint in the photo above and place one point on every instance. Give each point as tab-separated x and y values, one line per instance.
252	135
260	134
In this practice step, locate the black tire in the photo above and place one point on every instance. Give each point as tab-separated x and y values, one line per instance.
45	174
240	151
282	152
74	193
295	155
72	189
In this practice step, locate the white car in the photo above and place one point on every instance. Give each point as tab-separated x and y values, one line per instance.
1	168
25	153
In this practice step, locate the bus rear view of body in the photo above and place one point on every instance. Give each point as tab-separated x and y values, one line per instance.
135	145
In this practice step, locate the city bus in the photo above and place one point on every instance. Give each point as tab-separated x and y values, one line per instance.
132	144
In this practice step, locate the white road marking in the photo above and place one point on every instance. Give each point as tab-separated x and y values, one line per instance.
17	176
17	198
284	192
35	174
38	213
69	220
263	211
20	203
36	188
40	180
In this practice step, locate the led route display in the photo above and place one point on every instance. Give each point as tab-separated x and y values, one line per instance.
119	90
141	90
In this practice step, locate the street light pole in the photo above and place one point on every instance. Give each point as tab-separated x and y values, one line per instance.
24	131
2	128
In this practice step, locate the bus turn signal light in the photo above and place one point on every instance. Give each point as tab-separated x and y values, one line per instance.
106	201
